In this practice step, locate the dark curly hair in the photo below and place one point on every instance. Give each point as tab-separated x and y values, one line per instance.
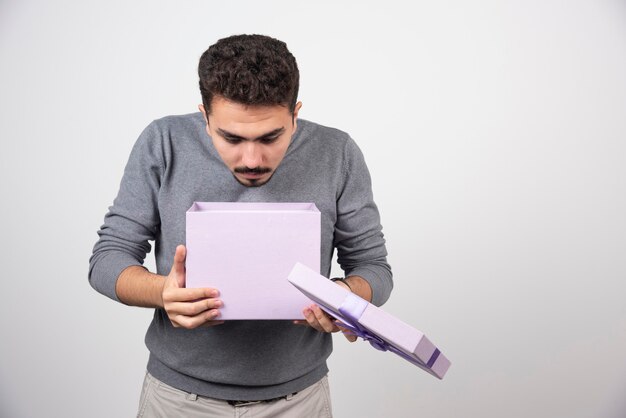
251	70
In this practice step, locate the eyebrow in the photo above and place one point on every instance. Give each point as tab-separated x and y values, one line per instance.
270	134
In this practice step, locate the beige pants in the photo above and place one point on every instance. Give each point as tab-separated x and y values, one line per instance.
161	400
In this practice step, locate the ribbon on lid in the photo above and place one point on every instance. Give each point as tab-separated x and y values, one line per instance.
351	310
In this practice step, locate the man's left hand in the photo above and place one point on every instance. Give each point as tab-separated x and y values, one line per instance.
321	321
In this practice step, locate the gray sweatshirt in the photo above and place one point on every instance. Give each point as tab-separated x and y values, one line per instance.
173	164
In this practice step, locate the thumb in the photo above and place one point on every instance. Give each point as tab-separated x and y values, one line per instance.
178	268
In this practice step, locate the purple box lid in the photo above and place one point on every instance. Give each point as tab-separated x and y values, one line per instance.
246	251
383	330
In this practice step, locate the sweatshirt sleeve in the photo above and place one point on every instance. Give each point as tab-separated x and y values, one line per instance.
133	220
358	233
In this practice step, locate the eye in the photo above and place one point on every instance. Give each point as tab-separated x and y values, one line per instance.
269	140
232	141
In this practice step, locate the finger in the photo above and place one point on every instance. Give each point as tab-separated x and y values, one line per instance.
178	268
188	294
191	322
311	320
193	308
324	320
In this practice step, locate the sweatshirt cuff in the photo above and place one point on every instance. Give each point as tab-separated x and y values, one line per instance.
107	270
378	279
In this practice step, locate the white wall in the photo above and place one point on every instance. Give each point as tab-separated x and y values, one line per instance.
495	135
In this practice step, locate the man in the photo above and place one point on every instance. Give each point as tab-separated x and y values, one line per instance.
246	144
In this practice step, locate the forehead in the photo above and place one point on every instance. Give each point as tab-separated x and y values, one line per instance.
247	120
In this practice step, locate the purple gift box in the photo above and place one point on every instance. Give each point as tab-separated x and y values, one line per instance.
246	250
384	331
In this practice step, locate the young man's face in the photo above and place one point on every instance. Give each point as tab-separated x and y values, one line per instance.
252	140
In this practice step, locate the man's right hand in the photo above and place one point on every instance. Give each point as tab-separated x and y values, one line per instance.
188	308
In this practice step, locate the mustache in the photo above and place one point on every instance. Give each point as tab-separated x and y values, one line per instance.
255	170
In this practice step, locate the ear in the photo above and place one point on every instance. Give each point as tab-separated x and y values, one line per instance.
296	109
206	119
203	111
294	118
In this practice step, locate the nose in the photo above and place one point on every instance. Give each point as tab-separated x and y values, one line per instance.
252	156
